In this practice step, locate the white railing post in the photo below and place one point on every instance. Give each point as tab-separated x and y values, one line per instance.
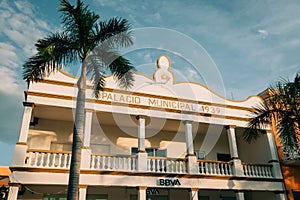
65	161
36	159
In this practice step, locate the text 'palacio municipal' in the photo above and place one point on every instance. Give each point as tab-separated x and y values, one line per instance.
154	102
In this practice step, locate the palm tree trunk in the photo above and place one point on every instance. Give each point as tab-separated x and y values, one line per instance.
78	131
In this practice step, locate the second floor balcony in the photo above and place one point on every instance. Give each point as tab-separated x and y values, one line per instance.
48	159
126	144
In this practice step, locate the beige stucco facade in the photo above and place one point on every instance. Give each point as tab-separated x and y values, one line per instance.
158	140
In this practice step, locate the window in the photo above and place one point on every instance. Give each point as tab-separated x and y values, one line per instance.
296	194
223	157
61	146
55	197
97	197
100	148
151	152
133	197
228	198
203	198
64	197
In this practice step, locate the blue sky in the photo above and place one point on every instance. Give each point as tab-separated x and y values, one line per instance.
251	44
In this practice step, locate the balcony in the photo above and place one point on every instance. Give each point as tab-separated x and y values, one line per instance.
158	165
48	159
218	168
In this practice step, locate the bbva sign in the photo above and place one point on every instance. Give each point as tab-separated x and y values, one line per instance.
168	182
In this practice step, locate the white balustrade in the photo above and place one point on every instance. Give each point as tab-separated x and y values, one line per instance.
48	159
258	170
166	165
215	168
60	159
113	162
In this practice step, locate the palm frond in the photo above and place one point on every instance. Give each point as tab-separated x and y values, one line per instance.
80	24
283	107
104	58
122	70
36	68
52	51
96	71
261	117
116	32
286	130
58	47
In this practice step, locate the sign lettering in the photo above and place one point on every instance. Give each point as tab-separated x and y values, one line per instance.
152	191
168	182
180	105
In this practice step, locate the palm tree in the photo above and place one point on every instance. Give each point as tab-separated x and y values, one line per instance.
282	107
82	33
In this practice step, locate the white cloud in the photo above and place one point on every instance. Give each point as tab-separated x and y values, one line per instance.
147	58
22	29
24	6
192	74
8	55
9	82
107	3
4	4
156	16
263	33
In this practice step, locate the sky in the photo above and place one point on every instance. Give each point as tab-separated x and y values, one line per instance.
236	48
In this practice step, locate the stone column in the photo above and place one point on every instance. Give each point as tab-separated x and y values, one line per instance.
189	137
142	193
82	192
142	154
194	194
239	195
86	151
237	164
13	191
273	155
191	159
21	146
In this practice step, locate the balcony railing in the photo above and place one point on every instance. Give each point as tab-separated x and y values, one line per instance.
256	170
48	159
220	168
166	165
62	160
113	162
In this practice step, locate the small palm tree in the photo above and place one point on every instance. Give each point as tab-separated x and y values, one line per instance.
282	107
82	34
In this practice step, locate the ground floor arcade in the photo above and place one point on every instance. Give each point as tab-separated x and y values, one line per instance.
142	193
